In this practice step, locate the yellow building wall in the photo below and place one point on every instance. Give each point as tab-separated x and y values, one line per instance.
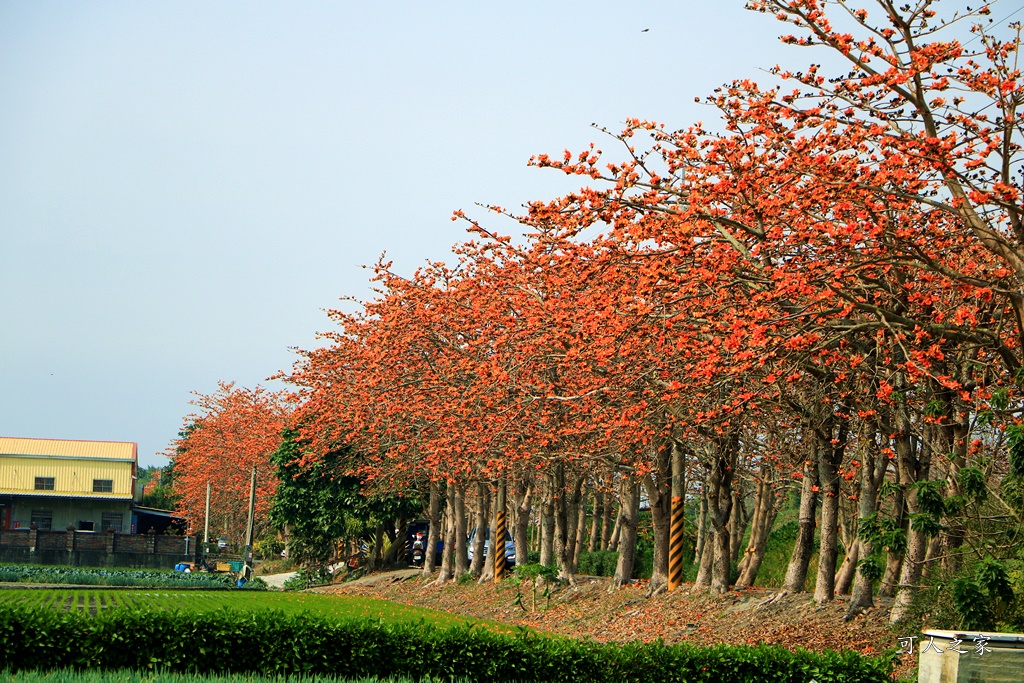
71	476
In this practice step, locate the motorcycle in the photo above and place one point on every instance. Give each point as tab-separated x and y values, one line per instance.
418	550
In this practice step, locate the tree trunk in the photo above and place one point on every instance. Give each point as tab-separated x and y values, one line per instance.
480	524
803	549
447	570
658	485
613	541
893	559
702	522
566	507
606	519
914	461
764	517
954	441
848	569
851	552
629	513
739	518
934	548
705	555
872	473
434	532
720	509
378	548
487	575
461	531
523	502
547	530
581	529
593	542
831	457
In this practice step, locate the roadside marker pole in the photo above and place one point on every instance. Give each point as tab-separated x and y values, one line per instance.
675	541
675	545
498	537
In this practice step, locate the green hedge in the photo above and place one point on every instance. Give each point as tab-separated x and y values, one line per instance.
273	642
126	676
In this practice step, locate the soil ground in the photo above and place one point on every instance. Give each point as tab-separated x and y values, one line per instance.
590	610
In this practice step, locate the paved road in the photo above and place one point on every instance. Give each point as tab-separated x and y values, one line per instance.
277	580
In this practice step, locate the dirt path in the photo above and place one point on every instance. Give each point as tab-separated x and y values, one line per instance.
591	611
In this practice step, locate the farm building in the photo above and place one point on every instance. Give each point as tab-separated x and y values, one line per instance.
57	483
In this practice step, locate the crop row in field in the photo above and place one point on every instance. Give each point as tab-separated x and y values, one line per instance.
103	576
93	601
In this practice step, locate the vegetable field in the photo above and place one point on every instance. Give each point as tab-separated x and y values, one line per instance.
93	601
141	578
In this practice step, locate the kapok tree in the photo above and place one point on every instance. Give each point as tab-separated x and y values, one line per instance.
233	431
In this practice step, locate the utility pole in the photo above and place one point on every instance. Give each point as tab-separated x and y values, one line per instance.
247	555
206	522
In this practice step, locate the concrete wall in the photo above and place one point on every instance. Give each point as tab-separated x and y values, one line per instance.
951	657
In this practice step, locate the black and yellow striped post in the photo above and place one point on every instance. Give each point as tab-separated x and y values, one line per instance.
498	535
675	539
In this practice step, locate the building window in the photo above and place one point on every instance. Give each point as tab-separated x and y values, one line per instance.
86	526
44	483
111	521
102	485
43	519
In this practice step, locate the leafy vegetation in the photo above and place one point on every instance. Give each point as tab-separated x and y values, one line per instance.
141	578
322	504
157	485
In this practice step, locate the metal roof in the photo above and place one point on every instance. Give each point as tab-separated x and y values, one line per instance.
66	496
69	448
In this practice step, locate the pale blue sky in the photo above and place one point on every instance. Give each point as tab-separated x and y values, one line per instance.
185	186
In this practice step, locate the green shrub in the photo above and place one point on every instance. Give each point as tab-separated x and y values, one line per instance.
643	563
268	548
272	642
307	577
598	563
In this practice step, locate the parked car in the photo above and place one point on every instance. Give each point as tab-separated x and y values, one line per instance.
510	547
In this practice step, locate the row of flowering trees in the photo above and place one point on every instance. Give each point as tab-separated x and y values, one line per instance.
821	299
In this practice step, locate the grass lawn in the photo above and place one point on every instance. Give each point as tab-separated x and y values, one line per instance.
93	601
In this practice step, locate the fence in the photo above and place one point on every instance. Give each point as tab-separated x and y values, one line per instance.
94	548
